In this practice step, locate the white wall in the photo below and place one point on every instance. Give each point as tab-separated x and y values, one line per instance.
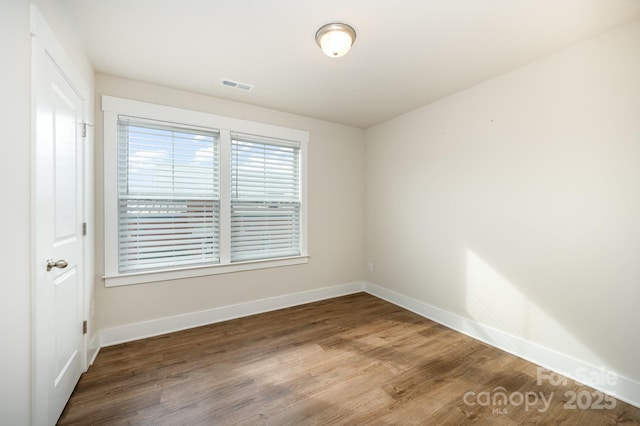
15	167
516	203
15	287
336	201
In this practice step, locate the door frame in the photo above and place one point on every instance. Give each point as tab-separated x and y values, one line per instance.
45	42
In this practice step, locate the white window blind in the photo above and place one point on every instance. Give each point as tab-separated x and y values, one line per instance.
168	195
265	198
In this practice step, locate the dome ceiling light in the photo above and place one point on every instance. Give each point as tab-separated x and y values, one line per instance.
335	39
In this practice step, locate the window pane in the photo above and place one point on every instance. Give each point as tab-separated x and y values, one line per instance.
168	190
163	234
264	172
265	200
264	230
167	161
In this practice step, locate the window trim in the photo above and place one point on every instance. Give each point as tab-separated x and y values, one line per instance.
112	108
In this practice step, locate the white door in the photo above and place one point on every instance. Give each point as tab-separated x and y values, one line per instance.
58	354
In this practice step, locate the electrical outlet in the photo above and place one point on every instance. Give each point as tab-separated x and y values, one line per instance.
370	266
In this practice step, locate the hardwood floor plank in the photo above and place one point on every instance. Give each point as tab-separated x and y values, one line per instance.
350	360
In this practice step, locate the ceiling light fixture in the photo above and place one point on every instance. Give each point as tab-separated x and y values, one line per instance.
335	39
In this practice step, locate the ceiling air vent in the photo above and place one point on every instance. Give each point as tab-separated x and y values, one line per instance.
236	84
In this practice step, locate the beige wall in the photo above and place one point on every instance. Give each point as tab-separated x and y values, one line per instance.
516	203
336	200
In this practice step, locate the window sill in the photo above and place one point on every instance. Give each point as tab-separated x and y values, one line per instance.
176	274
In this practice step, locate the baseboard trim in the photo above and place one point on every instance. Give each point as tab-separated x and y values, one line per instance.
625	389
94	348
141	330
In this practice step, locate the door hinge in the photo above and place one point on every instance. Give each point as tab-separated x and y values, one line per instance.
84	129
84	229
84	327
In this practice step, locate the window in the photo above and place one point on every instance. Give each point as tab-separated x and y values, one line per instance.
191	194
265	199
168	197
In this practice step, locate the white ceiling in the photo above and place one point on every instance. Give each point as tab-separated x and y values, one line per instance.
407	52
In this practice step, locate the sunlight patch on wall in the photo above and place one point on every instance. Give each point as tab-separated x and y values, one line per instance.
494	301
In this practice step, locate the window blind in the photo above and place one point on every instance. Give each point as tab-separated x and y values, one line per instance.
168	195
265	198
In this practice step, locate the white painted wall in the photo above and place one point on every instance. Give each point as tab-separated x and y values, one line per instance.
516	203
15	168
336	201
15	287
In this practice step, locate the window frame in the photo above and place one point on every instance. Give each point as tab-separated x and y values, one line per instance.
112	108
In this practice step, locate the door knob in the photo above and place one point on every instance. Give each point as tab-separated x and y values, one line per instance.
58	264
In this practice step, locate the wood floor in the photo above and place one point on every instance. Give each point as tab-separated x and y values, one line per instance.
350	360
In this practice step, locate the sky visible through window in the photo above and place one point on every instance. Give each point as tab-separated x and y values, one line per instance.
264	172
171	162
176	163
